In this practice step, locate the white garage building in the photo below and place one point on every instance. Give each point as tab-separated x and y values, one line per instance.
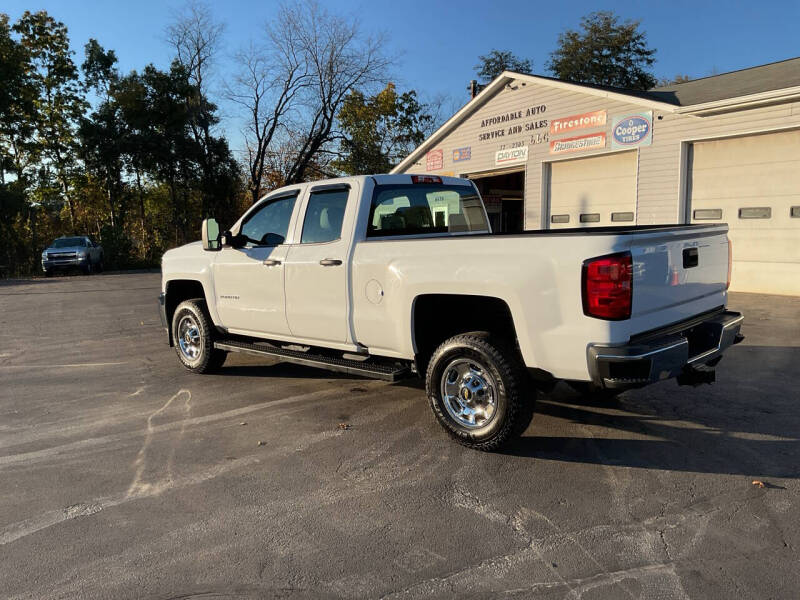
547	153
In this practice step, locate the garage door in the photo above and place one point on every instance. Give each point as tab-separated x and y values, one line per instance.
753	184
594	191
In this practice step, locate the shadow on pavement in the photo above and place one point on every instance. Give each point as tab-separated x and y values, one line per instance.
740	426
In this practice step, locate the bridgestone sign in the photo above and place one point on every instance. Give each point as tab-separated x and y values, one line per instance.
592	141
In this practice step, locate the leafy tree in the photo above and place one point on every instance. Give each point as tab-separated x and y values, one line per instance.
98	68
493	64
17	108
604	52
60	102
380	130
102	134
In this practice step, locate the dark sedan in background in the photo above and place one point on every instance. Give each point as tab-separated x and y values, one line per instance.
72	252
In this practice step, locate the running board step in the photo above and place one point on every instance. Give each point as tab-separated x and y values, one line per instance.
366	368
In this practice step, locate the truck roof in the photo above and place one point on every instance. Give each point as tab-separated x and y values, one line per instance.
380	179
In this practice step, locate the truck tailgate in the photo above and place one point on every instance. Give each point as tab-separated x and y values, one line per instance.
678	273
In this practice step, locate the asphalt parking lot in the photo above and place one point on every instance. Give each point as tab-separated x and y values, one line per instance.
124	476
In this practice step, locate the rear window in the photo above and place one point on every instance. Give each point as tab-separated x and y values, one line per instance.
425	209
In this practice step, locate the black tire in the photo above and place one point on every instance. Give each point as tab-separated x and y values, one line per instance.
98	268
207	359
48	272
87	270
501	367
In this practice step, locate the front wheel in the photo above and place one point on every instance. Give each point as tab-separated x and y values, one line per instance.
478	390
192	331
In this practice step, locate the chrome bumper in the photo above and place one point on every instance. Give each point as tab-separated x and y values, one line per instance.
674	352
64	262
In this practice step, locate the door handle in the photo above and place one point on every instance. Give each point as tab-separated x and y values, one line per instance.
330	262
271	262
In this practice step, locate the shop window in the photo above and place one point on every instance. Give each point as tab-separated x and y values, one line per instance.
621	216
559	218
590	218
795	212
707	214
757	212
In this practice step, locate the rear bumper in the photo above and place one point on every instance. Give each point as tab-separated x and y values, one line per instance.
658	356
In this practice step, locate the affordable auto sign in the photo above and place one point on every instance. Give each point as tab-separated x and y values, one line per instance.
630	131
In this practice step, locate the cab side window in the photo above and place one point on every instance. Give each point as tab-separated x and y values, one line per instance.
270	223
324	216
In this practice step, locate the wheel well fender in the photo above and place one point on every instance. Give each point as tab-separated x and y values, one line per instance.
437	317
178	290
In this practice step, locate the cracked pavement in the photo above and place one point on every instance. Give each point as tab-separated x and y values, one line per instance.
124	476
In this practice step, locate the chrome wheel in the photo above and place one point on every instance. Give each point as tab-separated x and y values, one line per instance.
189	340
469	392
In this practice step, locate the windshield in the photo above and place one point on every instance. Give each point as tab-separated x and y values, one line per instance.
423	209
69	242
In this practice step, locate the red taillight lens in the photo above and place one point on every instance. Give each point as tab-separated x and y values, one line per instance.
608	287
426	179
730	262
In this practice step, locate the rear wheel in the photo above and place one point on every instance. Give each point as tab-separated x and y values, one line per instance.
478	390
193	333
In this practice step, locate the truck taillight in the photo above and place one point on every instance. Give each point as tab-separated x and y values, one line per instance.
426	179
730	262
608	287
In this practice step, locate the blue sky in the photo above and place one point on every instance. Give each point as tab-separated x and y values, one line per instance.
436	44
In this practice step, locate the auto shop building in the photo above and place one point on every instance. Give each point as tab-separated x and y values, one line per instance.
550	154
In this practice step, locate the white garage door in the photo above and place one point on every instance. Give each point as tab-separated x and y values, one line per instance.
753	184
593	191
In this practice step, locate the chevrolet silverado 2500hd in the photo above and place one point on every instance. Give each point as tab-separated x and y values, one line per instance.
389	275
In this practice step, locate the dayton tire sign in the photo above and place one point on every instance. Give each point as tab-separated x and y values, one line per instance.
631	131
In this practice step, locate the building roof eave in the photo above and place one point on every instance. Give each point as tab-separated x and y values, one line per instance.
779	96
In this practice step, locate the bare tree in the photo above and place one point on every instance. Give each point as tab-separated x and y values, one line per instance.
292	88
196	36
266	88
338	58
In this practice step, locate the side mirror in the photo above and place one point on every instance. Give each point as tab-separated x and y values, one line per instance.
210	235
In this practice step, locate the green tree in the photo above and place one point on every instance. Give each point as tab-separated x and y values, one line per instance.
102	133
17	108
380	130
493	64
59	103
604	51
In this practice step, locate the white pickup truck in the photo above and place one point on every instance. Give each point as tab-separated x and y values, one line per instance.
390	275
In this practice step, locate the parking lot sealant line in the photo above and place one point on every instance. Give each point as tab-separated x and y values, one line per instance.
70	366
37	455
30	526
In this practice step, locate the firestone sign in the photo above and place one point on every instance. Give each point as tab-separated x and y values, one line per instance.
588	120
630	131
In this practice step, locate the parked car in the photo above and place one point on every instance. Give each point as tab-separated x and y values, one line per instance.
70	253
391	275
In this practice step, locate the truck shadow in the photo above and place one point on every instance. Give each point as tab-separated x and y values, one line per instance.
739	426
